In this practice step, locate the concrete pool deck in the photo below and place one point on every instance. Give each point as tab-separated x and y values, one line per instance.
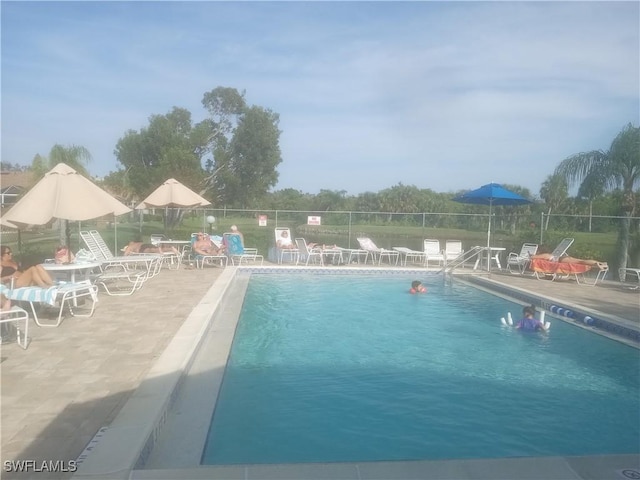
76	378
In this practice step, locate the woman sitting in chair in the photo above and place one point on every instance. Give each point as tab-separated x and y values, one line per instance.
285	241
29	277
205	246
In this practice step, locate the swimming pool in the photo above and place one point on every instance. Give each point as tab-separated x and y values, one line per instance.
328	369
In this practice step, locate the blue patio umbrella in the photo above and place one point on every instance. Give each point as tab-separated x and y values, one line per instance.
491	194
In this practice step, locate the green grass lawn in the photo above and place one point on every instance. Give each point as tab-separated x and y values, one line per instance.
38	245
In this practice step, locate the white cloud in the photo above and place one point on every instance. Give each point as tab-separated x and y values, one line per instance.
441	95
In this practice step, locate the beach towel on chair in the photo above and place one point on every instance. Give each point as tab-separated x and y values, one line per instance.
31	294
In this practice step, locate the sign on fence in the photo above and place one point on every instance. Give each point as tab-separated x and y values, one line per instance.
313	220
262	220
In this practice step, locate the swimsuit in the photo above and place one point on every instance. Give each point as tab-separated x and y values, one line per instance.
6	271
529	325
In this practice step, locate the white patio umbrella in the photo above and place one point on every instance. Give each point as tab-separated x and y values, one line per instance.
172	193
6	223
66	195
63	194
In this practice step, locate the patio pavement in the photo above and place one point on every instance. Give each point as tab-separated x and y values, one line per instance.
74	379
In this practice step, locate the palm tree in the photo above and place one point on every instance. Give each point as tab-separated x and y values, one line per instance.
617	168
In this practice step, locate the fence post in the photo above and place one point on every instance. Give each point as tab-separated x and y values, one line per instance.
349	240
541	226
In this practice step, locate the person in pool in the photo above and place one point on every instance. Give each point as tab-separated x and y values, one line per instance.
417	287
528	323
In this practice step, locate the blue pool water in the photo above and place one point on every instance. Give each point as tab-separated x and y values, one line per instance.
344	368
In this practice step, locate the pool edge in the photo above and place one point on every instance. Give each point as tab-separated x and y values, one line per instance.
129	439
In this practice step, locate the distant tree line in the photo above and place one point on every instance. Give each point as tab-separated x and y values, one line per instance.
232	158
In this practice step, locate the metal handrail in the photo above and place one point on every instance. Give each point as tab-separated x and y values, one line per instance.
461	259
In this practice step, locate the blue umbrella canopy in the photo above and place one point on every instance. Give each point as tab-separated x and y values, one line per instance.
491	194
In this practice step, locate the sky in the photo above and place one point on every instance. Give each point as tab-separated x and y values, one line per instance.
441	95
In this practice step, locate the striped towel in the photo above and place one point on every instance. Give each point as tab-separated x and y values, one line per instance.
31	294
45	295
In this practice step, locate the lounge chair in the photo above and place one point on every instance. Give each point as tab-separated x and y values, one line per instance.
409	255
149	262
545	269
66	293
306	253
517	263
237	252
201	259
285	254
378	253
561	249
120	275
17	315
432	251
633	273
554	269
353	255
452	250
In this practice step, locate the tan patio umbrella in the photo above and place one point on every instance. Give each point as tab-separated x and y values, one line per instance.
63	194
172	193
6	223
66	195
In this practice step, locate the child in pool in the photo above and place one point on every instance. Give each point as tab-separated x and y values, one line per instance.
417	287
528	323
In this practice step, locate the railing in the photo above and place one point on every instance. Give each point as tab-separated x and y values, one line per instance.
462	259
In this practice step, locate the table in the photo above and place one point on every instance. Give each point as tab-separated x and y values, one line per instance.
72	269
174	243
492	256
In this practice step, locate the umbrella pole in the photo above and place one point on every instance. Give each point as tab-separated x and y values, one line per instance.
67	234
489	239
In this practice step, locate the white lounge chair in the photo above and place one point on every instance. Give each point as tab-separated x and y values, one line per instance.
409	255
517	263
286	249
150	262
561	249
452	250
378	253
432	252
63	294
306	253
218	258
17	315
124	274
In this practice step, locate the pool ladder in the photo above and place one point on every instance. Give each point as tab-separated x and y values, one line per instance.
462	259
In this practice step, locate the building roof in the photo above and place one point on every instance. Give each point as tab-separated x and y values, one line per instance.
16	179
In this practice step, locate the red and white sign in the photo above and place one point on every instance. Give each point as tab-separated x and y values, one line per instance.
313	220
262	220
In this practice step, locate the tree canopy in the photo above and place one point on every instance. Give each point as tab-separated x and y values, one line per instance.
617	168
